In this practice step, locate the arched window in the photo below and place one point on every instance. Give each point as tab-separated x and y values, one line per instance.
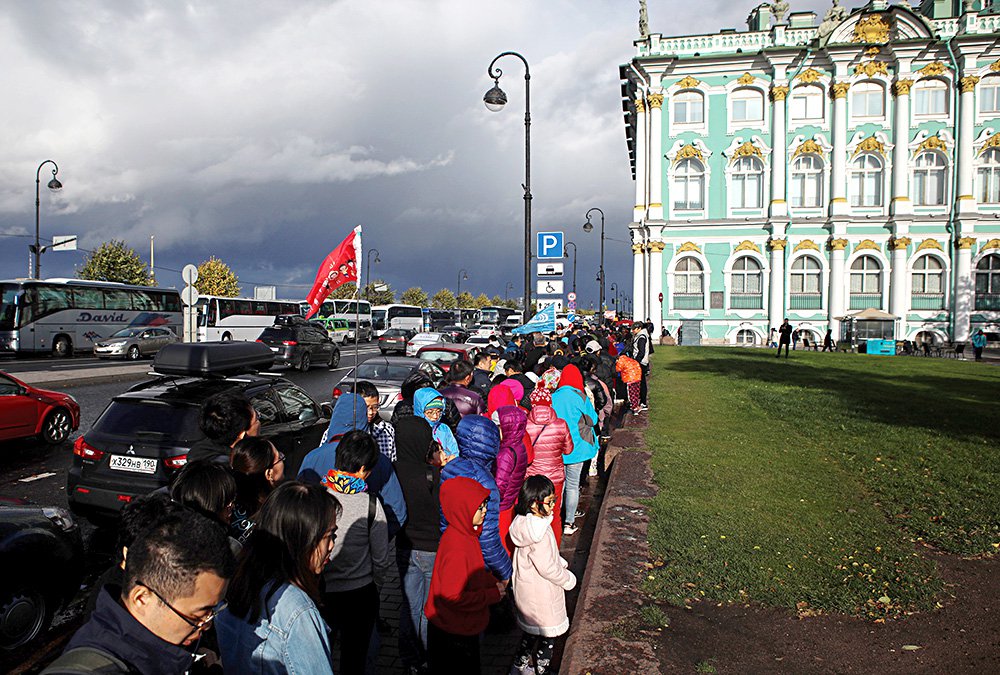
988	93
807	104
747	105
807	182
689	107
929	176
747	337
989	177
746	289
866	283
930	98
688	284
866	180
867	100
747	187
689	185
988	282
927	283
806	283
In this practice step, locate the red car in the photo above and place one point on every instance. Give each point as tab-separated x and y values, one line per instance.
26	411
446	353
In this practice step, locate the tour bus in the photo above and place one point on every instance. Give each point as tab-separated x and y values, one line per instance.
436	319
496	316
356	312
243	319
385	317
468	317
63	315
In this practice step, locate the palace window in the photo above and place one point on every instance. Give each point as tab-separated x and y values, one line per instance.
689	108
688	185
929	178
927	283
806	276
988	283
746	291
867	100
865	181
807	182
989	95
747	184
930	98
747	105
989	177
746	337
807	104
866	275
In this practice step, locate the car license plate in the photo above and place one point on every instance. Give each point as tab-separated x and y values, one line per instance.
133	464
274	349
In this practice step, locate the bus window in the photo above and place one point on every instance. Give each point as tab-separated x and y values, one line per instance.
142	301
243	307
8	307
50	299
227	308
88	298
259	307
117	299
171	302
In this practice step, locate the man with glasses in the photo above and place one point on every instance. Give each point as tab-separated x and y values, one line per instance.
176	575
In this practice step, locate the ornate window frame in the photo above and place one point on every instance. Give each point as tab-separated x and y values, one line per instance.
744	251
679	151
758	86
819	147
987	77
685	84
854	121
706	275
824	278
883	261
822	85
949	91
879	145
741	146
945	279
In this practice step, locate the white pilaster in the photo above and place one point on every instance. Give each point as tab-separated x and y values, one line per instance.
638	281
776	300
901	204
965	289
838	176
966	132
899	287
641	180
779	145
655	283
655	157
837	263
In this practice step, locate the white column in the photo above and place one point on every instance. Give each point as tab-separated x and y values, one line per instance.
899	287
655	157
838	176
966	132
641	179
901	204
837	263
779	146
965	291
655	283
776	299
638	280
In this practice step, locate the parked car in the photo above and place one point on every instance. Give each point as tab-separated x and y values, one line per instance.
485	330
42	551
478	341
456	333
444	354
26	411
387	374
134	343
143	436
394	340
337	329
421	339
300	345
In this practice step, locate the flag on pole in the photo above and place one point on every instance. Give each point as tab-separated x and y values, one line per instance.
543	322
339	268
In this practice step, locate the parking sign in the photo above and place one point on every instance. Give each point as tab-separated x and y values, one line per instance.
550	245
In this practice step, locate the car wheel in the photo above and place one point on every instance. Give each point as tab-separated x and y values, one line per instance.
334	359
62	347
133	353
226	337
24	614
56	427
304	362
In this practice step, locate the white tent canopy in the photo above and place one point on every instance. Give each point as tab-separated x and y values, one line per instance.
870	314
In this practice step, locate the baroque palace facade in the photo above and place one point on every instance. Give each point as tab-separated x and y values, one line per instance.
805	171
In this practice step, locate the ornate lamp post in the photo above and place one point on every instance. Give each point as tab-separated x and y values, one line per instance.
368	269
495	100
54	184
589	227
508	287
614	289
462	274
566	255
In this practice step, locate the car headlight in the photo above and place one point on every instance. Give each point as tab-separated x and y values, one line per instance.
59	517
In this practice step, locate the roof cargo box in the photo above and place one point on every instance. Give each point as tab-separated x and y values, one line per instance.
208	359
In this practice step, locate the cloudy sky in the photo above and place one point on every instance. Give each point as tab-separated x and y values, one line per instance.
261	132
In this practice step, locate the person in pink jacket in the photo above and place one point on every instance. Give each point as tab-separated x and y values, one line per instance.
540	578
511	465
550	439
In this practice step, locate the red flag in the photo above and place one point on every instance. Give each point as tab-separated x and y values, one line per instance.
340	267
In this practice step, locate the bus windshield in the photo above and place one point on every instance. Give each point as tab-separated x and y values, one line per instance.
378	319
8	306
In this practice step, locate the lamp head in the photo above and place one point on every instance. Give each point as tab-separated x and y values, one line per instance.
588	226
465	276
495	99
54	184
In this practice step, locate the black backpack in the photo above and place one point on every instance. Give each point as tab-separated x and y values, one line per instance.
84	660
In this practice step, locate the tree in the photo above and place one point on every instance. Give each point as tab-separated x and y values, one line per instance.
115	261
481	301
383	297
444	299
414	295
217	278
497	301
345	292
511	303
465	299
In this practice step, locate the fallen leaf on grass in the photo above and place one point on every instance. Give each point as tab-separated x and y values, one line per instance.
911	648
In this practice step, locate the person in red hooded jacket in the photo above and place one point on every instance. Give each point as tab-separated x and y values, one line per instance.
462	589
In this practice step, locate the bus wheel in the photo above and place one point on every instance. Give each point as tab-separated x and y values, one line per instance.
62	347
226	337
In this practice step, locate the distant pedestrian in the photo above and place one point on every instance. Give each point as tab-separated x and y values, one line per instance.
772	338
795	339
784	337
978	342
631	374
828	340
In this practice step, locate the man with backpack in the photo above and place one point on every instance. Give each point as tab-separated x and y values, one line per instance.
640	352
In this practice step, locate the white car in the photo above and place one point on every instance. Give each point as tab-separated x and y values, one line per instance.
422	339
479	341
487	329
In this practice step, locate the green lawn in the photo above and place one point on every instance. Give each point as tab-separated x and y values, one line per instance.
815	480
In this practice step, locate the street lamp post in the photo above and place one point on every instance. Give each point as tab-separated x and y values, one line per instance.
368	269
462	274
566	255
614	289
508	287
495	100
54	184
588	227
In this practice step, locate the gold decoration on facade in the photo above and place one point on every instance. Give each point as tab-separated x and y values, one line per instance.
745	79
995	66
870	144
779	92
932	143
688	246
748	149
746	245
637	248
901	87
777	244
992	142
689	151
966	242
810	75
806	244
898	243
992	243
867	245
839	89
656	246
933	69
871	29
808	146
872	51
929	243
640	105
655	101
871	68
838	244
968	84
688	82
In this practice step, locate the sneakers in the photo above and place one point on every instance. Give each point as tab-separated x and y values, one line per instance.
524	670
643	407
569	529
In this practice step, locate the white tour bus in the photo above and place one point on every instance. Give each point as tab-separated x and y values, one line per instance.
354	311
63	315
243	319
385	317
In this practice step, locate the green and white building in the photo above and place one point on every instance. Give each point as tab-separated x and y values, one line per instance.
807	171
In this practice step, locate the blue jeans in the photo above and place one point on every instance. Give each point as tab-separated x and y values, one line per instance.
415	568
571	491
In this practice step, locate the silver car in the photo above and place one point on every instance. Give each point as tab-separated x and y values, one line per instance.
422	339
387	374
134	343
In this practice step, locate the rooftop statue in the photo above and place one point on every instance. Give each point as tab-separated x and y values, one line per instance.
832	19
643	19
779	9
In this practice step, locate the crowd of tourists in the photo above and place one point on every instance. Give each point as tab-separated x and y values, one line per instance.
468	490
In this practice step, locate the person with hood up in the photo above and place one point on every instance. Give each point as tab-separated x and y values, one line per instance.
416	380
512	464
478	444
551	440
428	404
462	589
351	413
572	405
499	397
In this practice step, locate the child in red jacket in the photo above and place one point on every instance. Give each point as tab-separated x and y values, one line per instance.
462	589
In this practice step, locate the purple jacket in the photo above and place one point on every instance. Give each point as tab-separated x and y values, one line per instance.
466	401
512	460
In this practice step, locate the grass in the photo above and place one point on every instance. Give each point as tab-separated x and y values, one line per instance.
809	483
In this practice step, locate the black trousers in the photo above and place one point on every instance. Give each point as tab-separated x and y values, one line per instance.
352	614
786	349
642	384
450	654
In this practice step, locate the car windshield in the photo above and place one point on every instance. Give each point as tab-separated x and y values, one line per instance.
383	371
127	333
133	418
440	355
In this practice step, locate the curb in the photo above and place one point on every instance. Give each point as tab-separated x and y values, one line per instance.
68	378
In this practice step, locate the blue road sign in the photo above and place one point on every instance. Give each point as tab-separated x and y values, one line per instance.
571	317
550	245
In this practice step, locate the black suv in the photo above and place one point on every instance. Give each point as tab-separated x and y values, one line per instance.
142	438
296	342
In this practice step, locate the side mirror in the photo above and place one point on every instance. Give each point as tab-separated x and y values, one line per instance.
327	408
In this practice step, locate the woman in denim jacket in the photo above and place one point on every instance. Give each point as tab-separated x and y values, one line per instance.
272	624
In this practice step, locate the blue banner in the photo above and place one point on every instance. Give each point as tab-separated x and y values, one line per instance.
543	322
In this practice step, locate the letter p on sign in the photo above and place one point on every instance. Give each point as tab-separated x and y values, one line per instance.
550	245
